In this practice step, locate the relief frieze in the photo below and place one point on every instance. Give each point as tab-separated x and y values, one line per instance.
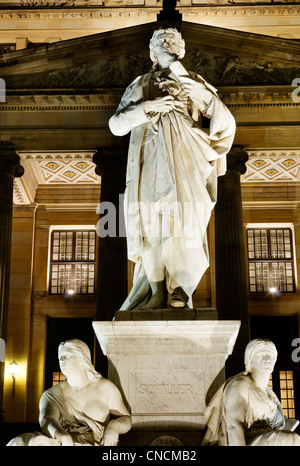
117	72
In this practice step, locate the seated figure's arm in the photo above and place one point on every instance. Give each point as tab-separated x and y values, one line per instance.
235	412
49	422
120	421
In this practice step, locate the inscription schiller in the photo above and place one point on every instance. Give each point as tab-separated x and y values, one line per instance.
166	389
166	392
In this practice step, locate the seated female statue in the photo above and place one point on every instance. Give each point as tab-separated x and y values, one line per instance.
84	409
245	411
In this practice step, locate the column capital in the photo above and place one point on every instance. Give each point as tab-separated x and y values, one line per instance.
237	158
10	161
110	159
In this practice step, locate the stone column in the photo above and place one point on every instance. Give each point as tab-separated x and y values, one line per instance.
112	254
231	276
112	287
9	169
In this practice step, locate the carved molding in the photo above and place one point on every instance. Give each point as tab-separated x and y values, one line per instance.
20	195
255	96
61	102
133	10
25	207
277	165
166	441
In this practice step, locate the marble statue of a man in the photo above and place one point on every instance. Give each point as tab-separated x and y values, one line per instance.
245	411
172	169
84	409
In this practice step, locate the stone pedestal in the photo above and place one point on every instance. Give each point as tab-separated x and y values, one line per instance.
167	370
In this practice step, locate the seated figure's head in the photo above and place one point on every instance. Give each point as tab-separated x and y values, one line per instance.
73	353
260	351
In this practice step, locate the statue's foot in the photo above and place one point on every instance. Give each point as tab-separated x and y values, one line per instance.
155	302
178	299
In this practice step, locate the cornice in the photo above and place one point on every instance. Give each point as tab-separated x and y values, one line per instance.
189	13
258	96
60	101
234	97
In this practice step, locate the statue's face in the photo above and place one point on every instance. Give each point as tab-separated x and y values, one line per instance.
68	362
166	44
264	359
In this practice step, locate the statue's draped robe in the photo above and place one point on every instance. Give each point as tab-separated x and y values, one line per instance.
172	169
83	429
264	423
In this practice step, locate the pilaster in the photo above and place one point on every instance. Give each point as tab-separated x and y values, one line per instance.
10	168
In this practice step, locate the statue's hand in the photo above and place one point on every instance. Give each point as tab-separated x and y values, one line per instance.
195	90
66	440
161	105
110	438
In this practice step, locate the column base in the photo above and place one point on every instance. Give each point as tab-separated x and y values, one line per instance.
167	370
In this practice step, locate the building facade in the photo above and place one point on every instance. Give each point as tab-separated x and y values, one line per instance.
64	66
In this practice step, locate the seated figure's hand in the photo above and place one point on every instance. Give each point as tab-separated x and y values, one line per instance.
110	438
66	440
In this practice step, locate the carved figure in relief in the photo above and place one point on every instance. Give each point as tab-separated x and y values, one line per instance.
84	409
245	411
172	170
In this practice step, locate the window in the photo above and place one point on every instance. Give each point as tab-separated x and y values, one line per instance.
57	377
72	262
286	389
287	393
270	260
4	48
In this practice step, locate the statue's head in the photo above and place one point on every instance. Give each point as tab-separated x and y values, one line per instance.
260	351
173	34
75	353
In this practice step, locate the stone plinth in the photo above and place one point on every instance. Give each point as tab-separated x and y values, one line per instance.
167	369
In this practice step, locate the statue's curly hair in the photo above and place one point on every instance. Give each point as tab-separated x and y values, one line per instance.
178	37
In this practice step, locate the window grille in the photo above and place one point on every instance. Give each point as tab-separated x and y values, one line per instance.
72	262
270	260
4	48
287	393
57	377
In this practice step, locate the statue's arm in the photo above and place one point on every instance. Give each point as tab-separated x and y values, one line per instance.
235	412
49	421
135	111
127	117
120	419
130	112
